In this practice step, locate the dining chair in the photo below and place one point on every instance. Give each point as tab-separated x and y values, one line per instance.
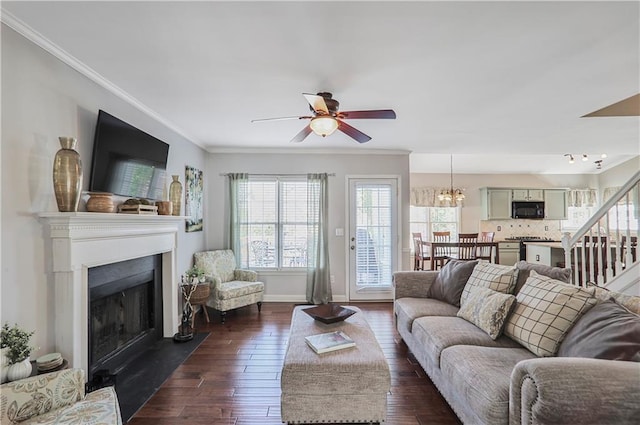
441	254
468	250
485	252
419	256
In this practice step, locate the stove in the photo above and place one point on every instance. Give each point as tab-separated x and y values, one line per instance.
529	239
523	239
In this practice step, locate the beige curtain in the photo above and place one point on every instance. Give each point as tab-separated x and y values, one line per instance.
428	197
583	198
318	269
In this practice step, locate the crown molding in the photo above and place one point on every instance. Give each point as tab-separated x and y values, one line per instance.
58	52
304	151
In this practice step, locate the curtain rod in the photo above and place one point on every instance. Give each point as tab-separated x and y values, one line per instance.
279	175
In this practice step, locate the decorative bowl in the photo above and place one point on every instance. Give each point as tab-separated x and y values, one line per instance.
329	313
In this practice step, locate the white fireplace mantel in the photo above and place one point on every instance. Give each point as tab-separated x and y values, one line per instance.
79	241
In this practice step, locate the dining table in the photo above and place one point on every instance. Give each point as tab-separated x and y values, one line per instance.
444	251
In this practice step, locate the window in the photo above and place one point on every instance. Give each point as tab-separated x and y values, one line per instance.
426	220
275	233
576	217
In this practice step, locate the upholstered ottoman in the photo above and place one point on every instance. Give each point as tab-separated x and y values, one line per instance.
348	385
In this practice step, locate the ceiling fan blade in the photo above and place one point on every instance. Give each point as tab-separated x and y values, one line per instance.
282	119
317	103
302	135
377	113
353	132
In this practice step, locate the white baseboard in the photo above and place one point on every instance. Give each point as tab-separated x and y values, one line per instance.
297	298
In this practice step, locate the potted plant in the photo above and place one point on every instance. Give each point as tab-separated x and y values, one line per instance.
16	342
195	272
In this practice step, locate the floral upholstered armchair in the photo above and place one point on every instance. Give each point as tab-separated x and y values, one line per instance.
57	398
230	287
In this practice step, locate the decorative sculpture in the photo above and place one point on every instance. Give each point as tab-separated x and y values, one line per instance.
185	329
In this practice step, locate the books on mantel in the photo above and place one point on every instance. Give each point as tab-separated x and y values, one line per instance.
331	341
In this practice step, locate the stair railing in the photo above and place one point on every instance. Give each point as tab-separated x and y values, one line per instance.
606	244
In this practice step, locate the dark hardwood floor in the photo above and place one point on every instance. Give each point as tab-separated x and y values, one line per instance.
233	378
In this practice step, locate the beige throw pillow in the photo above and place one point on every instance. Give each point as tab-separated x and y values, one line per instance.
545	311
493	276
487	309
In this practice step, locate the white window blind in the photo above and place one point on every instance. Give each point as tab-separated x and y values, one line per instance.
277	228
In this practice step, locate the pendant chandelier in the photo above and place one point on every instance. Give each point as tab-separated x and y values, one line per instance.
451	196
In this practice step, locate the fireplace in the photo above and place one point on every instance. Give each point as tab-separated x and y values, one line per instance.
78	244
125	311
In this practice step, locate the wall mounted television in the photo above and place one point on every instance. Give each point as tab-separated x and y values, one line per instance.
127	161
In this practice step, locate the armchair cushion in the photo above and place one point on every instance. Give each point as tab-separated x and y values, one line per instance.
57	398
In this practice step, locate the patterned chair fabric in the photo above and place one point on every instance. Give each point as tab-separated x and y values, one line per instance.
230	287
57	398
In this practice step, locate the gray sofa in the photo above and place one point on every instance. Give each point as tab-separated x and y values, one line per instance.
488	381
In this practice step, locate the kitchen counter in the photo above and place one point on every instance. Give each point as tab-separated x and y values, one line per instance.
547	244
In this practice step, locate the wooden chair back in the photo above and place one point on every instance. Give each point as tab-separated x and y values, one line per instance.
485	252
468	250
441	252
418	252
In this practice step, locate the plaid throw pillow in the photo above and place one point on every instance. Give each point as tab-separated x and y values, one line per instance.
492	276
545	311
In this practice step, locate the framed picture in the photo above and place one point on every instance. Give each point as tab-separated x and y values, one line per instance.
193	199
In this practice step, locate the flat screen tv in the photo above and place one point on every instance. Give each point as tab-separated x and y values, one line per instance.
127	161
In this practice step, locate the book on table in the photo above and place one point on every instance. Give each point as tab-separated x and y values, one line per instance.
331	341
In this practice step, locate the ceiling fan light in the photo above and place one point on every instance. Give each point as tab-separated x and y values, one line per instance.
323	125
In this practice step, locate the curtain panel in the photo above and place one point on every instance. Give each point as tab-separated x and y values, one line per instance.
238	215
427	196
582	198
318	270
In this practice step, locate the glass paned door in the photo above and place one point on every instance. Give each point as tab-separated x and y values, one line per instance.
373	238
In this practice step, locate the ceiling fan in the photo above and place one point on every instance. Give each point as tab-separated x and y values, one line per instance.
326	119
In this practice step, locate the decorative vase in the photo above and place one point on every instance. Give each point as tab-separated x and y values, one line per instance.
67	175
100	202
4	364
175	195
19	370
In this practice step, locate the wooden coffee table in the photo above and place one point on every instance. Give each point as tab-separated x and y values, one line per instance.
349	385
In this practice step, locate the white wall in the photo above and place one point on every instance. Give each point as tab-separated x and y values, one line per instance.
42	98
619	175
291	286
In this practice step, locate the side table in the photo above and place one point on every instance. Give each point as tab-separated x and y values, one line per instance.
200	297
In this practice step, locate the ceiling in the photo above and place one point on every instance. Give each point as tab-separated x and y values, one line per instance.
500	85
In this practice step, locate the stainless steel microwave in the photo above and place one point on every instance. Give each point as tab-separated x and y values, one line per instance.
529	209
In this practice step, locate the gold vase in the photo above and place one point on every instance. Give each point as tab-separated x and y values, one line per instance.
175	195
67	175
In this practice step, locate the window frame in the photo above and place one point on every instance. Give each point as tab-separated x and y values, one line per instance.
428	224
282	261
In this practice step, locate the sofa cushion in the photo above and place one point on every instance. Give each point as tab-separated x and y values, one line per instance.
487	309
607	331
545	311
409	309
218	264
630	302
524	269
451	280
493	276
434	334
481	377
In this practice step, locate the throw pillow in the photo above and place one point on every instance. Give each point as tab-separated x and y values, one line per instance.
487	309
524	268
607	331
545	311
451	280
493	276
630	302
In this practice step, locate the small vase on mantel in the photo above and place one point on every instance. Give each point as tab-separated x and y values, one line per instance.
67	175
175	195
